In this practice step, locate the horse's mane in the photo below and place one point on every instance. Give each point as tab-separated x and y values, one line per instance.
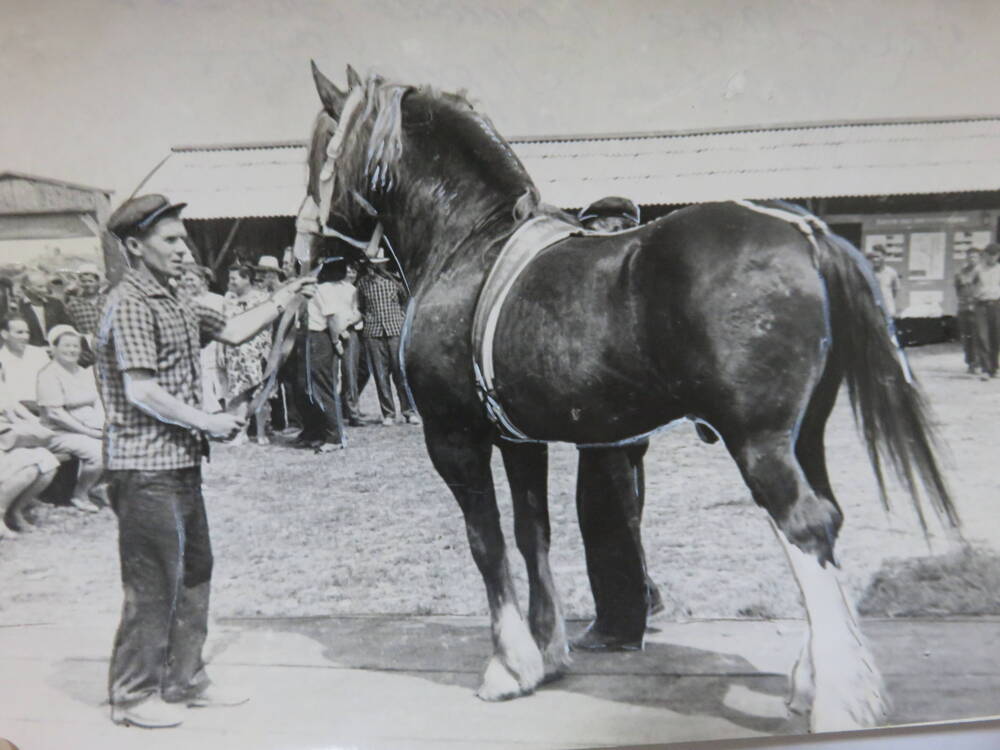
369	155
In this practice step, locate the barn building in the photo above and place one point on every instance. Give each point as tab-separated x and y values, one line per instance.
925	190
49	221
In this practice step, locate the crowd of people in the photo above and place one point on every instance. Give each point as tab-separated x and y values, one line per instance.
52	418
977	285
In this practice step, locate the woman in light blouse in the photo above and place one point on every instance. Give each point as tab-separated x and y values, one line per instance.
71	408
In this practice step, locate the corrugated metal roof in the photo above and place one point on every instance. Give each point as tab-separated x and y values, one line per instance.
233	181
801	161
29	194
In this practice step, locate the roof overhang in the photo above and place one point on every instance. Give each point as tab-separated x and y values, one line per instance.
820	160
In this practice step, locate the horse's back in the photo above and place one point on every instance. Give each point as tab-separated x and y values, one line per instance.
610	336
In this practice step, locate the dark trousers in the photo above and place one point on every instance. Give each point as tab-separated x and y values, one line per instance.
383	355
988	333
166	567
356	373
970	340
609	500
317	374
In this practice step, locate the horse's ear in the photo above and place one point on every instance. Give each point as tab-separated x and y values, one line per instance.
353	79
332	97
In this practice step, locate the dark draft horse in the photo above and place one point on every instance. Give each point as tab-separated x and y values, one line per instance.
718	313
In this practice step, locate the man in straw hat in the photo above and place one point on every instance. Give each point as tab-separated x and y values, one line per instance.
269	273
155	436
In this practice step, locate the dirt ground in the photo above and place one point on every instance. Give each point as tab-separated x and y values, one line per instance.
375	531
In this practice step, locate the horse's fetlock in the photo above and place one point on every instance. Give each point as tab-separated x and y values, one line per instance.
812	524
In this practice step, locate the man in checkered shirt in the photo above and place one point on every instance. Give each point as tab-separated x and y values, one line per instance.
382	301
148	346
84	308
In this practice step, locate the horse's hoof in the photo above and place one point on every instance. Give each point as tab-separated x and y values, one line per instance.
556	661
839	715
499	684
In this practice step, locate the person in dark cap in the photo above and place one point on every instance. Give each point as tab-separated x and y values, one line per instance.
611	214
609	499
155	436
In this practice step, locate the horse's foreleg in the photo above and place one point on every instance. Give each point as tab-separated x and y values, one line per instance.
527	472
835	673
515	667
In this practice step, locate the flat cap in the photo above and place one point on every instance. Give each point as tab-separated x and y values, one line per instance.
612	206
138	214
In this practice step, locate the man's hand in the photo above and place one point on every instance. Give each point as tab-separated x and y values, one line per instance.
223	426
304	287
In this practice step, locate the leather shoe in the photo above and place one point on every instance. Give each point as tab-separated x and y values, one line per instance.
655	599
152	713
215	698
594	640
85	504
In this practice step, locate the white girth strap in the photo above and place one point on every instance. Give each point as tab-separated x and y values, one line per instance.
807	224
524	245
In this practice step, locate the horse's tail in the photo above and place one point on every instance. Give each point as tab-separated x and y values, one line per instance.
888	405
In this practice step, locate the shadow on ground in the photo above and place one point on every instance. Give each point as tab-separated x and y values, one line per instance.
685	680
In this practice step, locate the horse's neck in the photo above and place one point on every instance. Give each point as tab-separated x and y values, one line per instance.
430	229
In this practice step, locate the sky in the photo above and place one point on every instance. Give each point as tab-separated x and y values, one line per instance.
97	91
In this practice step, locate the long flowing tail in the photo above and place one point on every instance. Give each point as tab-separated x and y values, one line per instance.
888	405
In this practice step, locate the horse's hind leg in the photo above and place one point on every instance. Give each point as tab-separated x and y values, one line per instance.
463	461
527	472
836	673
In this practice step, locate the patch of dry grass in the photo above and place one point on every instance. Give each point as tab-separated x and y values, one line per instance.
966	582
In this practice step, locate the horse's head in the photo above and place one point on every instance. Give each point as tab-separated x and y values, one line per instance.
416	158
354	150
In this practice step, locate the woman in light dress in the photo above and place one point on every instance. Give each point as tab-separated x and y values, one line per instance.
244	364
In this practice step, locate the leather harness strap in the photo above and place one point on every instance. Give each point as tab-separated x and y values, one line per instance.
524	245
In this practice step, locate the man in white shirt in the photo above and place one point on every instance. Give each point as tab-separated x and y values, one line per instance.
987	284
888	279
20	360
329	315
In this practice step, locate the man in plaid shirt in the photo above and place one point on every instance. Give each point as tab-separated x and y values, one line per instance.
382	301
148	346
84	308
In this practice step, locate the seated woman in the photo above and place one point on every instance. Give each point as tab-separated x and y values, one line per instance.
71	408
25	470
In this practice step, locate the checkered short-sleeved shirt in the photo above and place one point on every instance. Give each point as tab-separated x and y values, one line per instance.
85	312
145	327
382	302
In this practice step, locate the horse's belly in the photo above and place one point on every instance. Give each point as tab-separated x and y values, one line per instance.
559	392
